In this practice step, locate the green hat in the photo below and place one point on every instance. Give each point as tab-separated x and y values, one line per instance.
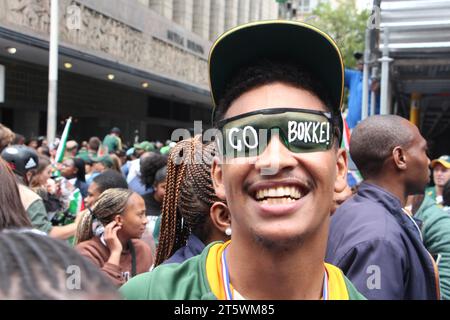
145	145
106	160
85	157
280	40
165	150
444	160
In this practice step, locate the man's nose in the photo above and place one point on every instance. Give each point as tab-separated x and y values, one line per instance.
274	158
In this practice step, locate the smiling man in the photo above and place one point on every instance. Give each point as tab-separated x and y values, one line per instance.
277	89
441	174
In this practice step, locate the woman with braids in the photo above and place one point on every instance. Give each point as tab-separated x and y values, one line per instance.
37	267
119	252
193	216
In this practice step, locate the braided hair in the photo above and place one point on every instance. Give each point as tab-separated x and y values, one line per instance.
110	203
189	196
37	267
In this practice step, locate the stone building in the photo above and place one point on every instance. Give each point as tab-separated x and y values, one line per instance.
140	65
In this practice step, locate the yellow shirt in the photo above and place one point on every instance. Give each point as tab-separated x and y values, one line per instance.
337	289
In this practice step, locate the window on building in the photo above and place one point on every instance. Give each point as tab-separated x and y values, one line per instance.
305	6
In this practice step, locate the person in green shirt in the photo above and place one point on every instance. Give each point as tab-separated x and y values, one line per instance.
112	141
441	174
277	88
435	228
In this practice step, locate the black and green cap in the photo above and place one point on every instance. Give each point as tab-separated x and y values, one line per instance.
279	40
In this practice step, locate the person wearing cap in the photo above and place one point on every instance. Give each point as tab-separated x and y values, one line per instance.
88	164
99	165
277	108
354	83
141	150
441	174
71	149
144	146
372	238
434	225
112	140
24	163
129	158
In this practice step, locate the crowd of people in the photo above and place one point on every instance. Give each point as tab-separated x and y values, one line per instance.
236	218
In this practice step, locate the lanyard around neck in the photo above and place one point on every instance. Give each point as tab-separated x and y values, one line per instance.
227	284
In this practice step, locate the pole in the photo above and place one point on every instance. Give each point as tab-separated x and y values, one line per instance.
365	88
385	60
53	72
373	96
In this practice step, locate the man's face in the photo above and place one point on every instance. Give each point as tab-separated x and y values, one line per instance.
93	194
274	220
418	166
160	191
98	167
440	175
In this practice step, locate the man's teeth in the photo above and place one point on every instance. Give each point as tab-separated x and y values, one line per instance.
277	200
278	195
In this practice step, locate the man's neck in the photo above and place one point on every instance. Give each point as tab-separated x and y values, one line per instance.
260	273
392	186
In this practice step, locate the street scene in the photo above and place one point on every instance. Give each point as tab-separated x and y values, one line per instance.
225	150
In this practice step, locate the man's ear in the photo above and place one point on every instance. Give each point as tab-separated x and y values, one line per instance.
399	156
217	178
341	171
220	216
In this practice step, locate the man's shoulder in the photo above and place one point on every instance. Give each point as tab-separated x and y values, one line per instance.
360	212
359	222
179	281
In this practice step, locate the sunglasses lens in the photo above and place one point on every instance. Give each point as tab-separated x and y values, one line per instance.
300	132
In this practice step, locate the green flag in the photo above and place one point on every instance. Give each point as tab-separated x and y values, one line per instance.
62	144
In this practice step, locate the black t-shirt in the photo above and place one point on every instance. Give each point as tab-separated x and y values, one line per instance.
152	206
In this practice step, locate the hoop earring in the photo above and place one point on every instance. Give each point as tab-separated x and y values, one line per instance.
228	231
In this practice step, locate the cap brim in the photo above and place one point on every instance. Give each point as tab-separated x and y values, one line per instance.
444	163
280	40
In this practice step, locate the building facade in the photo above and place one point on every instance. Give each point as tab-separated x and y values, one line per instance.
140	65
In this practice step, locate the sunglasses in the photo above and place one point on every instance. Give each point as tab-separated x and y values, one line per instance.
300	131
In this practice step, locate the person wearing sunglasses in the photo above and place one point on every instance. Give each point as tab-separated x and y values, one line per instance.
277	89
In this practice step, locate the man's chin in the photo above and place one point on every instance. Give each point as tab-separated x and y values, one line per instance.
279	242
